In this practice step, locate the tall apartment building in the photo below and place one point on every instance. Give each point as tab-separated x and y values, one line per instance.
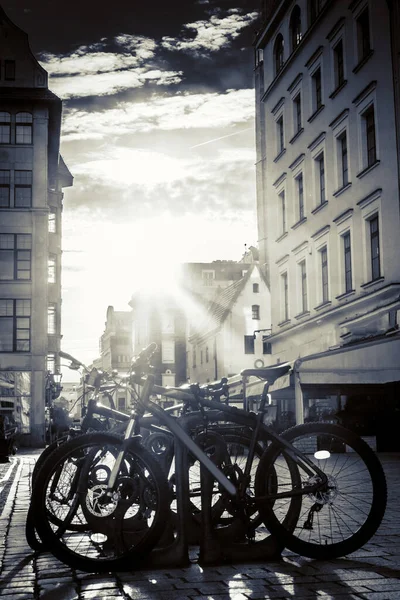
32	175
327	114
116	341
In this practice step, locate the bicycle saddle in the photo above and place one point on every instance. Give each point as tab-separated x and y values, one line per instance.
270	374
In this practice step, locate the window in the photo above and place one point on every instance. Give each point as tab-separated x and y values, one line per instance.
375	247
255	311
52	268
348	275
15	325
324	274
51	318
9	70
278	53
52	221
207	355
249	344
303	286
282	208
122	404
201	357
51	362
285	296
23	189
256	288
363	35
15	256
194	358
280	136
300	196
317	89
266	345
4	189
5	127
314	8
343	159
338	61
320	162
297	113
23	128
368	118
208	277
295	27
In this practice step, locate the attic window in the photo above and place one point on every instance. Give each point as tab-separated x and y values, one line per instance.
255	312
256	288
9	70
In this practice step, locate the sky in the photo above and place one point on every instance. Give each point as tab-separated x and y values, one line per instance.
158	133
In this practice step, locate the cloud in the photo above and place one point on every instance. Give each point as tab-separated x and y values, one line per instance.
108	67
204	37
177	112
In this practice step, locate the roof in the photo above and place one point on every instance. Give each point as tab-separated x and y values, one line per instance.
28	93
221	305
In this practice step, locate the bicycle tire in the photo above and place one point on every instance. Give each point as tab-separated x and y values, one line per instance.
116	532
350	508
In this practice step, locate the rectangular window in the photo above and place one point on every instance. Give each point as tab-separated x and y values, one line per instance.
51	362
280	135
363	35
317	89
15	325
300	196
51	318
303	286
122	404
15	256
52	268
338	63
4	189
285	296
324	274
266	345
375	248
256	288
9	70
369	135
297	113
249	344
282	208
343	157
5	127
255	311
23	133
321	178
23	189
348	275
52	221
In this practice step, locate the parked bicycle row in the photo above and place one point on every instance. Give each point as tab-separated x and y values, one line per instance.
106	494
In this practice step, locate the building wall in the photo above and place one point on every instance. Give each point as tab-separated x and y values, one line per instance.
347	208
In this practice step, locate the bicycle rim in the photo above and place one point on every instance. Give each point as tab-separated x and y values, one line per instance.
342	515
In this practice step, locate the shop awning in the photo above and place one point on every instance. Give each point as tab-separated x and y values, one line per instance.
374	362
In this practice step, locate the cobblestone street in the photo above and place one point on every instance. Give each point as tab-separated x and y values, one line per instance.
372	573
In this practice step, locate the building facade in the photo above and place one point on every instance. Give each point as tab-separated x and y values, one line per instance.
327	110
32	176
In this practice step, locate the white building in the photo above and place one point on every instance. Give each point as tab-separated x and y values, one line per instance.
328	197
32	175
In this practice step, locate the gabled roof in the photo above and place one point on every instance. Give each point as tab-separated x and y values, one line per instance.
28	93
220	307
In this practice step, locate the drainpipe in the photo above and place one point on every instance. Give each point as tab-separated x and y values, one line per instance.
298	393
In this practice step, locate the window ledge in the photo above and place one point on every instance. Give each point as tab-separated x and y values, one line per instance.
316	113
342	189
346	295
363	61
338	89
281	237
306	313
319	207
296	135
282	323
298	223
368	169
372	282
281	153
323	305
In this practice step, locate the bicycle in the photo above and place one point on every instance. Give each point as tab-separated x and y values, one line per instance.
309	488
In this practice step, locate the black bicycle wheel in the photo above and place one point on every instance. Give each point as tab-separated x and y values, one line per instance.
342	515
113	531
